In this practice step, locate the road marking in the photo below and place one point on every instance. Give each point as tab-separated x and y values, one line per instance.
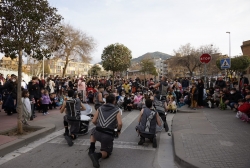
29	147
127	120
117	144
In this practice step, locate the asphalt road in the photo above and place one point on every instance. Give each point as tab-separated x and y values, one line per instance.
53	152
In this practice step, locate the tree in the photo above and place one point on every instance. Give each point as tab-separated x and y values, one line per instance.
94	70
46	67
76	45
188	56
26	24
147	66
116	57
238	64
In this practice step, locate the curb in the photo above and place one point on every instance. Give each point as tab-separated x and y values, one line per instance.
26	139
179	153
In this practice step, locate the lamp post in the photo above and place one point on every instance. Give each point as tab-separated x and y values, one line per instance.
229	44
229	51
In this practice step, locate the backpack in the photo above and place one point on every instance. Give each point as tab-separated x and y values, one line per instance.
150	117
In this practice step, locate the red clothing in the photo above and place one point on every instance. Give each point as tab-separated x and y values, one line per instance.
245	108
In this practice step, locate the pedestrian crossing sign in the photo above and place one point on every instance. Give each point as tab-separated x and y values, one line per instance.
225	63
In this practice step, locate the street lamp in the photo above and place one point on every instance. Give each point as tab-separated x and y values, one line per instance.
229	44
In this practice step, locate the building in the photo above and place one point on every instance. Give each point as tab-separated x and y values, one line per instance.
246	48
160	67
73	69
8	63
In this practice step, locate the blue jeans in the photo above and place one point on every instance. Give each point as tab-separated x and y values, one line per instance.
231	104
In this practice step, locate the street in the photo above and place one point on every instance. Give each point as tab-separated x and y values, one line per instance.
53	151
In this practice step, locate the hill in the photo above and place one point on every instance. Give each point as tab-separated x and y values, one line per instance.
153	55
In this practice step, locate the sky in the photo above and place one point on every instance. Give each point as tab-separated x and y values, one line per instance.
159	25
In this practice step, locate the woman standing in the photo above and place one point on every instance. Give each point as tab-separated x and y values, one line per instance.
200	88
194	96
82	88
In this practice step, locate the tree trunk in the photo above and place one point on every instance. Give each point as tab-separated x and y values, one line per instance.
65	68
19	103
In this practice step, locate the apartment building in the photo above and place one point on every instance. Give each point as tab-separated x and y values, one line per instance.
8	63
73	69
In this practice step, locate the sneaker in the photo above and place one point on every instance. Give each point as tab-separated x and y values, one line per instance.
47	112
69	140
141	142
154	143
44	113
94	159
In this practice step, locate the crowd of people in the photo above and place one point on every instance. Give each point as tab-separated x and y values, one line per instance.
130	93
153	98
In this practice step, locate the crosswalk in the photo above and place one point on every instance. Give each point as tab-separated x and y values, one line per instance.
58	138
126	122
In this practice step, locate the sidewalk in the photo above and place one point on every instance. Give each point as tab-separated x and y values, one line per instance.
210	138
10	143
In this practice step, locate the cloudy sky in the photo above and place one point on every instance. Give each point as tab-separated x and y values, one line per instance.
159	25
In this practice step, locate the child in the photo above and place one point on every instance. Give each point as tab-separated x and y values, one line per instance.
127	103
45	100
54	100
210	101
243	110
26	106
181	103
172	105
121	100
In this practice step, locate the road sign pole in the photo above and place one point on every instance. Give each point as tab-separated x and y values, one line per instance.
225	75
205	75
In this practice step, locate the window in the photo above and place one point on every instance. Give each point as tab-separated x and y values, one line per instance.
58	71
58	67
72	72
52	66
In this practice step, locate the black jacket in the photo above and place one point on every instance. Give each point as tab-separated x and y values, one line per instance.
34	90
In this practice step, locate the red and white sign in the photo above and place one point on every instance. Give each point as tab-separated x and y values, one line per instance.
205	58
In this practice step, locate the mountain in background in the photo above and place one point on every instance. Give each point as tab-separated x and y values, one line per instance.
153	55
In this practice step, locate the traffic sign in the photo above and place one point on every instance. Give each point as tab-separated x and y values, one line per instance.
205	58
225	63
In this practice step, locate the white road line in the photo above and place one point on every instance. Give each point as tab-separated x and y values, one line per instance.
117	144
30	146
127	120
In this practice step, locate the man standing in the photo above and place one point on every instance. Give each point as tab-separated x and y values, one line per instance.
107	119
220	82
243	82
185	83
34	90
163	86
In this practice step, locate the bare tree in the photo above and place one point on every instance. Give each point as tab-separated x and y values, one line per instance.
188	57
76	45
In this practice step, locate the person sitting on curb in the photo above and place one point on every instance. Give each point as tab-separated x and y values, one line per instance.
243	108
73	107
233	98
147	123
